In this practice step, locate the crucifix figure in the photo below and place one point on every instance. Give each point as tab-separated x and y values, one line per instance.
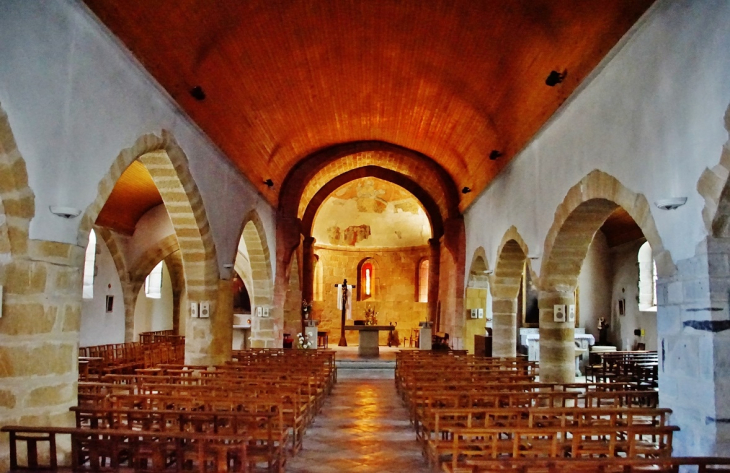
342	302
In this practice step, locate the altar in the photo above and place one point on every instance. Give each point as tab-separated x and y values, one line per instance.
369	338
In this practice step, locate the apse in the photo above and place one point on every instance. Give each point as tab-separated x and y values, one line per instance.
374	234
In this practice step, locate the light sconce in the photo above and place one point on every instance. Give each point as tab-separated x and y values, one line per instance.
488	271
64	212
269	183
533	256
197	93
670	203
465	190
555	78
228	266
494	155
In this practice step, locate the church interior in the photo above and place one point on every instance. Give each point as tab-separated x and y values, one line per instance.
211	192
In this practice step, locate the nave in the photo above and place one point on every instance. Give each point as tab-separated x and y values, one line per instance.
363	427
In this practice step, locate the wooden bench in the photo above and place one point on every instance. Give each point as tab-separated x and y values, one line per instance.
466	445
131	448
593	465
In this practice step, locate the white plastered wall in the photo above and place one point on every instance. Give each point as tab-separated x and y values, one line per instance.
99	327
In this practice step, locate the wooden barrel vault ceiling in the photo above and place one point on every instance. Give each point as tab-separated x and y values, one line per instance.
452	79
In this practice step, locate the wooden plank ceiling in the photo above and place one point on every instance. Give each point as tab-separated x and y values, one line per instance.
452	79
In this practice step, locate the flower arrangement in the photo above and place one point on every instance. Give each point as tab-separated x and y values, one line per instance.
371	316
304	342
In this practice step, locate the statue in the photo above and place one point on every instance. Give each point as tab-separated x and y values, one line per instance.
603	331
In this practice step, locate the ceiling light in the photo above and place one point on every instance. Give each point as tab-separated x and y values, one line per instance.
269	182
670	203
555	78
465	190
495	154
197	93
64	212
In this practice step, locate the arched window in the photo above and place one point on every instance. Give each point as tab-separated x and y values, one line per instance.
367	279
90	267
423	281
647	279
318	284
153	283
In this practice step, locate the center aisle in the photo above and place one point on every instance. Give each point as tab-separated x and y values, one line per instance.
363	427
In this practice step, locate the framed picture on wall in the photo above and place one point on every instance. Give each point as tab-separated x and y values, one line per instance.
266	312
621	307
480	313
259	312
109	304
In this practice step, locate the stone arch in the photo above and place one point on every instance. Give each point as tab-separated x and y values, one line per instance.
17	201
478	276
714	187
510	268
319	168
432	210
263	330
167	250
585	208
168	165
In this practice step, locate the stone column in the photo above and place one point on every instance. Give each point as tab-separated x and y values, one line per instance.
557	339
208	341
693	330
39	337
434	259
308	269
130	302
504	326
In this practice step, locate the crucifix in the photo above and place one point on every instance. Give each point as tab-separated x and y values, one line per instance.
343	302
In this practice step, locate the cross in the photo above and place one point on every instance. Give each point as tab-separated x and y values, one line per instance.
343	340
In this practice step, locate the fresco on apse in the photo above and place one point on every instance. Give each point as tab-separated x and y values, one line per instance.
370	212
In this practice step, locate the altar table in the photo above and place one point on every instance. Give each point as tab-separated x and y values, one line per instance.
369	338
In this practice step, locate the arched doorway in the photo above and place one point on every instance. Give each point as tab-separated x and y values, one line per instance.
477	300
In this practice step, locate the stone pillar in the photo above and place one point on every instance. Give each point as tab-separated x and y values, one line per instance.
504	326
208	341
694	349
39	337
557	339
307	269
130	302
451	280
434	259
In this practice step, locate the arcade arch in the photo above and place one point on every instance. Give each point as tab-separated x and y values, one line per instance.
507	279
584	210
253	264
168	167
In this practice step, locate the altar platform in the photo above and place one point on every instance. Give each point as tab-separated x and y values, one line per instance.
352	365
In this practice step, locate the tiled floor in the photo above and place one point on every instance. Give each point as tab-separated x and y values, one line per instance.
363	427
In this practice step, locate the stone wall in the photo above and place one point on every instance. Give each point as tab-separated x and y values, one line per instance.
694	349
39	334
394	289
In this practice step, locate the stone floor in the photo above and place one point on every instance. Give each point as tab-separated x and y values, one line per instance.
363	427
